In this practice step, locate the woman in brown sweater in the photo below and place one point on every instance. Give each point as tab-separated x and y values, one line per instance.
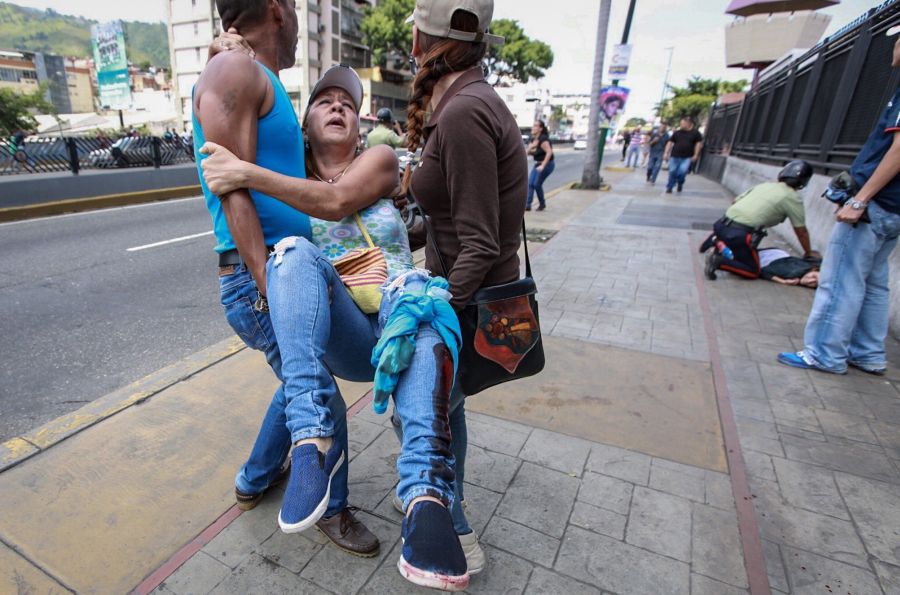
471	181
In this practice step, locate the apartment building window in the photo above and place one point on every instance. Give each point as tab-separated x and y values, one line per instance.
196	28
335	49
197	54
335	22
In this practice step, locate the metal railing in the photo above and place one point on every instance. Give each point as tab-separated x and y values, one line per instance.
821	106
58	154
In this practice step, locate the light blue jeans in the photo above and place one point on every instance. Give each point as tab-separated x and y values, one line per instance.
322	333
237	293
633	151
849	317
678	169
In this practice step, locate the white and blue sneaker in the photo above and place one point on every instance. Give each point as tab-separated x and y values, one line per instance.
309	486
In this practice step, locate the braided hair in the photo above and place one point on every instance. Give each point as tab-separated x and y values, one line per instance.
441	57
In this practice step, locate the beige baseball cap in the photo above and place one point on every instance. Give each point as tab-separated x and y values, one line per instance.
433	17
342	77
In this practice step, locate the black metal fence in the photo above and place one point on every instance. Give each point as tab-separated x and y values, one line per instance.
820	107
39	155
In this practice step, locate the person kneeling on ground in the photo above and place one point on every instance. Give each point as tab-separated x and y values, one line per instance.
745	222
779	266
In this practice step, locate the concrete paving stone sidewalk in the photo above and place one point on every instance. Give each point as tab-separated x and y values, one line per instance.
607	473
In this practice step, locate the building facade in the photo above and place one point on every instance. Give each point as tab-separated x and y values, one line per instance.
68	82
329	34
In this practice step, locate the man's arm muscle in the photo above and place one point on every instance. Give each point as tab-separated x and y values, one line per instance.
229	106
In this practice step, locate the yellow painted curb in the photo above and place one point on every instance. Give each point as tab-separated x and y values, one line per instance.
17	450
562	188
76	205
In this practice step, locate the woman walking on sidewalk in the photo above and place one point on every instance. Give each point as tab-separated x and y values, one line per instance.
544	164
471	180
322	330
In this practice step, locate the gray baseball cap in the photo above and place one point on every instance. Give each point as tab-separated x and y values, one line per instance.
433	17
342	77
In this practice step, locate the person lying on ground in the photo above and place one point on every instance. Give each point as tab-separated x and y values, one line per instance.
752	213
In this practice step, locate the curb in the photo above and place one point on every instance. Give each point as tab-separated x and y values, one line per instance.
563	188
77	205
22	448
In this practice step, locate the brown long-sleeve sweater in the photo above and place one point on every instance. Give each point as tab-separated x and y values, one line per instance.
472	181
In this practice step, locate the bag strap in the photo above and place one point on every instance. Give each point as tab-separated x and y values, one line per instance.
433	242
362	228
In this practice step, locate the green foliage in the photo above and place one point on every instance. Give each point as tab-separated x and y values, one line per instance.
520	58
385	31
695	98
635	122
48	31
16	110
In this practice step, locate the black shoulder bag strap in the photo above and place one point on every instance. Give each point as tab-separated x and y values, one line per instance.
431	239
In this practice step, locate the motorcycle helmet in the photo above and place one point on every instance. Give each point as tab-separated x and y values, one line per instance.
796	174
385	115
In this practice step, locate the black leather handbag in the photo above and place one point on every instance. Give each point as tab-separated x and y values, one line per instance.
501	332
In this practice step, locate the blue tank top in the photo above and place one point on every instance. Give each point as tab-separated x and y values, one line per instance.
279	147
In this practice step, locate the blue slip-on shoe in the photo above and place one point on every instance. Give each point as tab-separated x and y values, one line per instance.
309	487
803	361
432	555
877	370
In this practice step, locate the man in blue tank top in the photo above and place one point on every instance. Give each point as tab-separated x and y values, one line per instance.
239	103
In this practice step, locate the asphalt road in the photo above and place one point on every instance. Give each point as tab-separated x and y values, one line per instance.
81	315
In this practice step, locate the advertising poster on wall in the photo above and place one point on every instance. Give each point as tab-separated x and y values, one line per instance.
108	41
612	105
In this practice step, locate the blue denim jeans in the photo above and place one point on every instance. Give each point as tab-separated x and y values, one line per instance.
322	333
536	183
238	292
635	152
849	317
458	445
654	164
678	169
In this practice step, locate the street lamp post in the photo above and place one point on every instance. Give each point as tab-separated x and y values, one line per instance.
665	88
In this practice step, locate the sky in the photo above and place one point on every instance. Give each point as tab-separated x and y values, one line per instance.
694	28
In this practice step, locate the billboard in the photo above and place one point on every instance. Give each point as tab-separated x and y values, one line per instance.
108	40
612	104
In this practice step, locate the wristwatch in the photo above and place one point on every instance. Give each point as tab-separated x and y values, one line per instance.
857	205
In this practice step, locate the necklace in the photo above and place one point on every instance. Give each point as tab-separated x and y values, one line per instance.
335	178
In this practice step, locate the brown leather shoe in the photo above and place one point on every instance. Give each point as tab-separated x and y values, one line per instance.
349	534
247	501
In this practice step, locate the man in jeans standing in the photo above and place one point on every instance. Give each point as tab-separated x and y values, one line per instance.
682	150
659	138
849	318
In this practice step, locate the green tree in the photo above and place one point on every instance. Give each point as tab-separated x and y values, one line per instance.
696	97
388	36
385	31
16	110
635	122
520	58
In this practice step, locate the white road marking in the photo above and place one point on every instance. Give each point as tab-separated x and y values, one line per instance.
172	241
156	203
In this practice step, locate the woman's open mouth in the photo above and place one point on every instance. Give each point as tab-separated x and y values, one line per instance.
339	122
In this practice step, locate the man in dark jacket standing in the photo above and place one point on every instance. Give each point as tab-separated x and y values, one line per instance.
849	318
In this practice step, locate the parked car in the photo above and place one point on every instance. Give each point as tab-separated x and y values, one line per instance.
580	144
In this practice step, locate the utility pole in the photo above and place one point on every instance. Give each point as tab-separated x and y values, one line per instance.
595	96
665	89
590	177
